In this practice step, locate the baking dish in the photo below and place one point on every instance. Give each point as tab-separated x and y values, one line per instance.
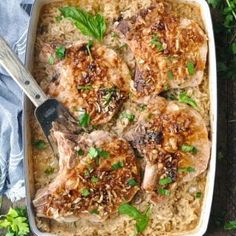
29	179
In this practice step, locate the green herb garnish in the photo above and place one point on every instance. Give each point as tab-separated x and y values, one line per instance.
94	212
156	42
129	116
88	24
15	222
198	195
165	181
86	173
85	192
189	148
132	182
80	152
94	179
50	170
51	60
117	165
40	144
184	98
164	192
95	152
58	18
85	87
140	218
84	119
60	52
170	75
188	169
191	68
231	225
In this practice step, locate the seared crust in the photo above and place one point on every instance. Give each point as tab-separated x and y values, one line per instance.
95	81
164	45
105	186
159	135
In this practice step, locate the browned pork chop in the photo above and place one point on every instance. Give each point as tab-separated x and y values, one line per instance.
97	172
170	51
92	79
173	139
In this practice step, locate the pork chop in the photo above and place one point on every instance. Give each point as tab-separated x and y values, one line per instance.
97	172
92	79
170	51
173	139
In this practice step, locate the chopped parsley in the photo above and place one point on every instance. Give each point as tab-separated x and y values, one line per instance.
98	152
184	98
85	87
198	195
58	18
189	148
140	218
84	119
142	107
85	192
165	181
132	182
170	75
188	169
40	144
109	93
156	42
60	52
94	179
191	68
129	116
117	165
80	152
94	212
86	173
164	192
50	170
51	60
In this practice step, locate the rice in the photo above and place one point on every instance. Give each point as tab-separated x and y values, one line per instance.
181	212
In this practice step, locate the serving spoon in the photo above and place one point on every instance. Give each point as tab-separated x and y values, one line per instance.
48	110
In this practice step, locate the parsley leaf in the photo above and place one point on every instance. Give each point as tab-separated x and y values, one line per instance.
170	75
50	170
40	144
156	42
188	169
84	119
140	218
184	98
51	60
60	52
85	192
189	148
132	182
129	116
15	222
164	192
88	24
85	87
80	152
117	165
191	68
198	195
165	181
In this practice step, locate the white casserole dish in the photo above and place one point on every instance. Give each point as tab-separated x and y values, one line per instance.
207	201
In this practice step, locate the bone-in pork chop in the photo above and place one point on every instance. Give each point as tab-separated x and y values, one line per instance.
97	172
92	79
173	139
170	51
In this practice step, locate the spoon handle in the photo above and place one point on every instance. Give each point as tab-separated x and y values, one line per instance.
23	78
